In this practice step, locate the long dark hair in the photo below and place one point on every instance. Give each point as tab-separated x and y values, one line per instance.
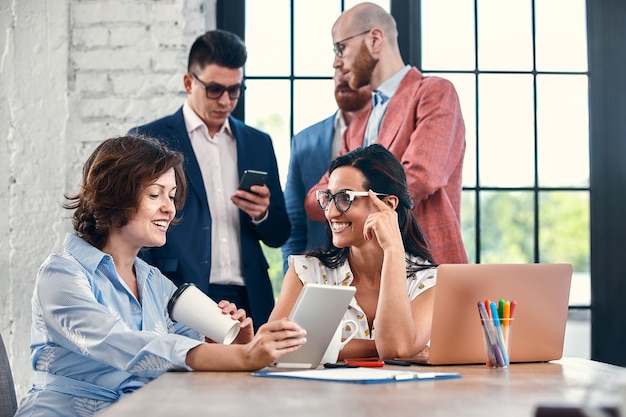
113	178
384	174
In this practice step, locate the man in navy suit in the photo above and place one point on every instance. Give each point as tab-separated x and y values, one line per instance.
311	152
216	244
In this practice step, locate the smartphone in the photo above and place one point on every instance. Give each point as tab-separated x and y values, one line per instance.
250	178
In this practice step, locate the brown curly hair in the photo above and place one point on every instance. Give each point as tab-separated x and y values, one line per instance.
113	178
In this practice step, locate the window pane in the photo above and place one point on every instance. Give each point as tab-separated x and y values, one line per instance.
506	227
268	44
314	100
563	130
504	35
468	223
506	130
564	228
561	37
313	51
580	289
564	237
448	34
272	119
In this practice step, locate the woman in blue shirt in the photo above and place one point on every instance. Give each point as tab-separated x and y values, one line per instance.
100	323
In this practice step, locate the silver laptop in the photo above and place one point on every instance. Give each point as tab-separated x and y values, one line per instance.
538	331
319	310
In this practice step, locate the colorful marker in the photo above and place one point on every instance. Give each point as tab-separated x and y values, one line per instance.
496	322
501	308
495	353
506	321
513	306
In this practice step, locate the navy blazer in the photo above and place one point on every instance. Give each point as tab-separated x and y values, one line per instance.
186	257
310	157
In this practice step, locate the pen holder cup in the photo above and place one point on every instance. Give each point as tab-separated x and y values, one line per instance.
497	338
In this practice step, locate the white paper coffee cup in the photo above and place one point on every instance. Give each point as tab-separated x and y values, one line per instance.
193	308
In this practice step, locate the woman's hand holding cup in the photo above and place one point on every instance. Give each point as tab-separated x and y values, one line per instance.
246	332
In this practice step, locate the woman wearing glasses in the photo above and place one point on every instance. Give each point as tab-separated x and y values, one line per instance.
377	247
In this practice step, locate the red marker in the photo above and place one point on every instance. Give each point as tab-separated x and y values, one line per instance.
513	305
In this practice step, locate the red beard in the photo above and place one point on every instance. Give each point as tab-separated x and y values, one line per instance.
362	68
354	100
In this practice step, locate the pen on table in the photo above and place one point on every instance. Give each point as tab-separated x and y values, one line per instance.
338	365
396	362
495	355
496	322
365	362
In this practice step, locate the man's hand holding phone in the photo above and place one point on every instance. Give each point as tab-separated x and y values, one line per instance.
252	196
250	178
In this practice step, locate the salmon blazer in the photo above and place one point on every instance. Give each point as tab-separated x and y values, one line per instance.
423	127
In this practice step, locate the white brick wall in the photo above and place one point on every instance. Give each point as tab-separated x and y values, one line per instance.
72	73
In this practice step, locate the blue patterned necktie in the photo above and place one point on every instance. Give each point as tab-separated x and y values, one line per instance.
373	123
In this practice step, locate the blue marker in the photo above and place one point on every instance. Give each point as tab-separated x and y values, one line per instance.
496	322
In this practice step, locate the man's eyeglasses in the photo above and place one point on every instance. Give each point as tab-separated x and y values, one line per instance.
215	91
343	199
339	46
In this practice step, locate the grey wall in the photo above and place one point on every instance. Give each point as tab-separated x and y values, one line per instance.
72	73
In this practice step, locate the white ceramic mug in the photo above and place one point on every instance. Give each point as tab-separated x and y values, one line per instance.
336	344
193	308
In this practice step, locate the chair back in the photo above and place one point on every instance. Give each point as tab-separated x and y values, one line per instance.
8	401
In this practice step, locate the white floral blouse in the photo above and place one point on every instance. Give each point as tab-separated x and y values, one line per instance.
310	270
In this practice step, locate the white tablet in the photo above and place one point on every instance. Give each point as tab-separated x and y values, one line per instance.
318	309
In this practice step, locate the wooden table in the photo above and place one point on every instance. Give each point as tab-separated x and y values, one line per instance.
515	391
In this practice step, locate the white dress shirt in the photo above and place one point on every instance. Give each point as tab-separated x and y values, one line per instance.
340	128
217	157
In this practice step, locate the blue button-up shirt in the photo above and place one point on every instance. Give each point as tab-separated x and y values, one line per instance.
92	341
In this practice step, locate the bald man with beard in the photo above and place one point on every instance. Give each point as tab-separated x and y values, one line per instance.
311	152
419	120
